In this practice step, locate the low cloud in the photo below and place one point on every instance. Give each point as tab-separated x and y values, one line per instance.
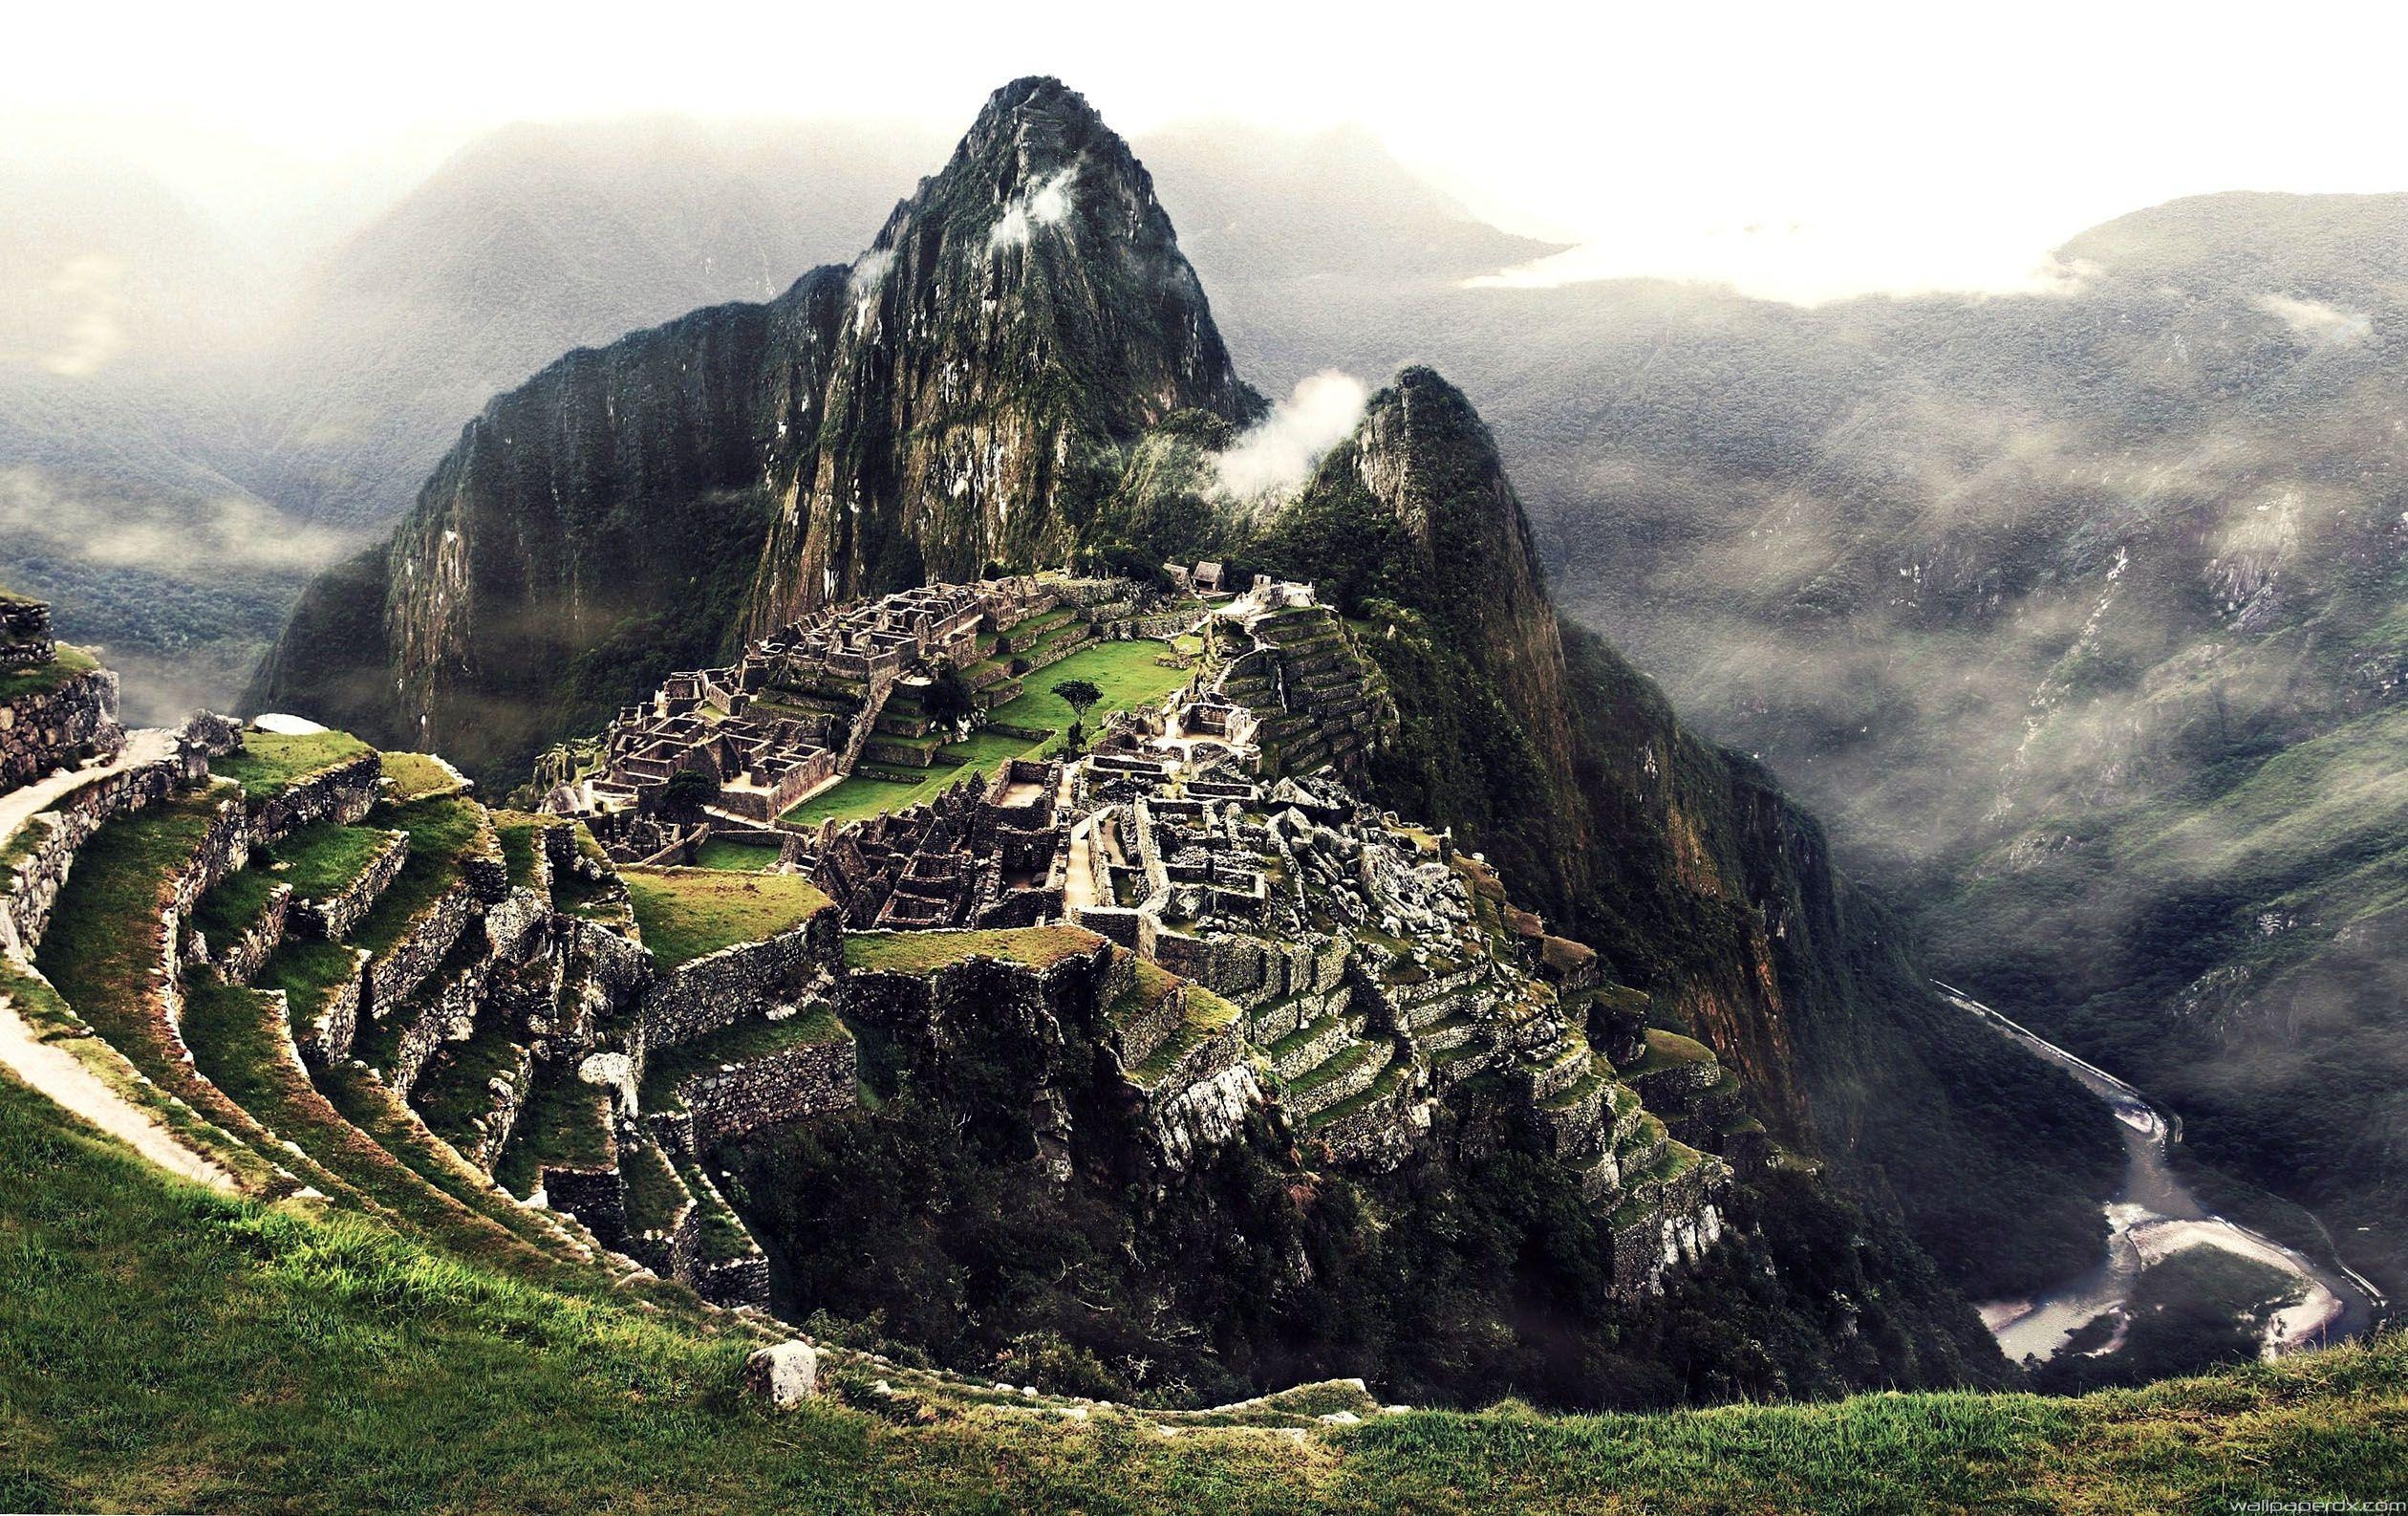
228	532
868	273
1046	205
70	323
1278	454
2318	321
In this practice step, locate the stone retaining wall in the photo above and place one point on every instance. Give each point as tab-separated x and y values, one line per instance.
342	792
597	1197
1376	1137
334	918
59	728
430	935
238	963
750	979
733	1101
328	1038
29	881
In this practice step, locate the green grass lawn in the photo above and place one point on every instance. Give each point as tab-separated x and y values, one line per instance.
415	776
687	913
66	664
267	763
1125	672
925	952
323	1362
741	857
324	858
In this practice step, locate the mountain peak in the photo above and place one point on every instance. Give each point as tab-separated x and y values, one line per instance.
1036	151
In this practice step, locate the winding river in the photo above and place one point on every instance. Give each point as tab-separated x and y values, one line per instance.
2155	1216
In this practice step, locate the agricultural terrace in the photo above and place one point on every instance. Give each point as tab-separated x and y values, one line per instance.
685	914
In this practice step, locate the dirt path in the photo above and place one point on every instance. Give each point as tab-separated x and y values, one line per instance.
142	746
57	1073
52	1070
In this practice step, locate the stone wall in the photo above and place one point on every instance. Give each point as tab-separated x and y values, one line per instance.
29	880
429	936
1377	1135
721	988
59	728
342	792
333	919
328	1037
238	962
597	1197
737	1099
25	632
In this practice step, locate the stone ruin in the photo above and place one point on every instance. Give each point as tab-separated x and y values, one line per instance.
54	712
25	632
1299	946
807	704
989	853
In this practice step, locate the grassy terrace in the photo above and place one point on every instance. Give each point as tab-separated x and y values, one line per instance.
655	1197
1150	984
721	1237
1383	1087
687	913
1125	672
742	1043
1669	1050
1337	1065
323	859
309	972
267	763
352	1130
234	906
68	662
738	857
565	1124
416	776
457	1088
926	952
104	948
462	1387
521	835
1207	1013
442	830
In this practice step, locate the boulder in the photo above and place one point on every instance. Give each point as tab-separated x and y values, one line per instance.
785	1376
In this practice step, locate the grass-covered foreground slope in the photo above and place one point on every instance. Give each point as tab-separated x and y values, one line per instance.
165	1348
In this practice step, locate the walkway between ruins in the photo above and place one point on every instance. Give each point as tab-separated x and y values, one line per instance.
142	746
54	1072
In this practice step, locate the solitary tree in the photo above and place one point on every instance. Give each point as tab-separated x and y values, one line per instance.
686	794
1080	696
948	699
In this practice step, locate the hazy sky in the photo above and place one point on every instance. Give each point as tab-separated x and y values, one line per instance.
1796	149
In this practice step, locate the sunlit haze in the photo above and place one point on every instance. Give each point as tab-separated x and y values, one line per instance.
1797	151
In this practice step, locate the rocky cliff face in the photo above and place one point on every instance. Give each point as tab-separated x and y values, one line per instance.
957	396
1017	323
